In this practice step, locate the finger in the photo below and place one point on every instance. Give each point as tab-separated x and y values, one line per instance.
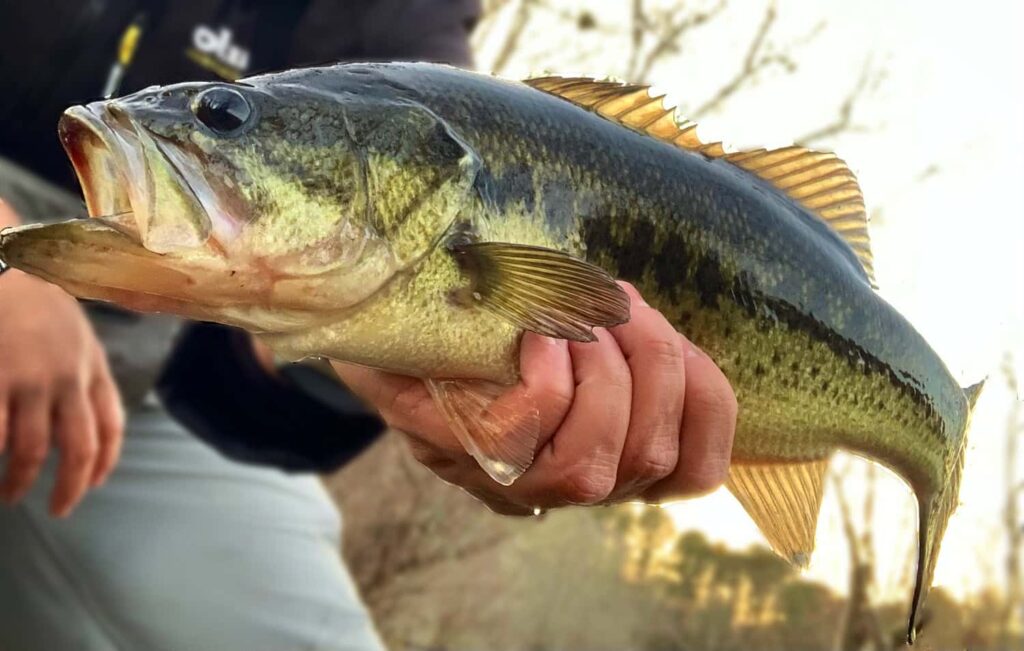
543	395
106	405
402	401
74	434
546	385
29	442
578	465
4	421
654	351
709	424
7	215
498	503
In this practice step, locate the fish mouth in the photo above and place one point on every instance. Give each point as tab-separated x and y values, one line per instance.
163	236
99	166
136	181
93	259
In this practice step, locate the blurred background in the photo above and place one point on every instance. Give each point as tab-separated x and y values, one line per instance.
926	102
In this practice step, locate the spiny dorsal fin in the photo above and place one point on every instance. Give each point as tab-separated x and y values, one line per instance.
783	499
820	181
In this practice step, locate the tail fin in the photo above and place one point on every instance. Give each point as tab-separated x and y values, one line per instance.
934	512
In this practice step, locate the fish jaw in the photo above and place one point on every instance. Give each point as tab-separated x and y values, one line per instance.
98	164
172	234
92	259
146	187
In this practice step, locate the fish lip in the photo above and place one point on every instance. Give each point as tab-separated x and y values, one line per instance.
106	148
98	162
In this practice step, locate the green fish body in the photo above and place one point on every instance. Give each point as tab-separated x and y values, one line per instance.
473	209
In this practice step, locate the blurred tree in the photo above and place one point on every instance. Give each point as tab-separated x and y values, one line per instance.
657	34
1013	615
860	627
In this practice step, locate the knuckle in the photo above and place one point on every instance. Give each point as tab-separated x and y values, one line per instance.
703	480
587	483
31	455
715	399
557	396
30	388
654	464
68	382
666	352
616	381
82	455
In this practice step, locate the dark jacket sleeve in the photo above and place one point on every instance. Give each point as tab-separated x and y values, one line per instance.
420	30
299	421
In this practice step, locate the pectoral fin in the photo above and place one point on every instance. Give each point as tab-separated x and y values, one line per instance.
542	290
502	437
783	499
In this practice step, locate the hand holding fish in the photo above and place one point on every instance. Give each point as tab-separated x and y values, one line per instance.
642	414
56	391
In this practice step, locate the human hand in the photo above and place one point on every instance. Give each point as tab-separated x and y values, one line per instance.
641	414
56	390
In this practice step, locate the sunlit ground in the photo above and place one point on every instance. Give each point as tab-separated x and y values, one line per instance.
939	149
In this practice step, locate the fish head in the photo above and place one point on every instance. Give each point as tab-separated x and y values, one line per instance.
213	199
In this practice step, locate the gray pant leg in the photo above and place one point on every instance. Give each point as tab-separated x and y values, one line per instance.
180	551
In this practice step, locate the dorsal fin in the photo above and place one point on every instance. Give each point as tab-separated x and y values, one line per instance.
820	181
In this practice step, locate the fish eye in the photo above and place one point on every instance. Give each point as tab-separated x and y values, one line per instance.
221	110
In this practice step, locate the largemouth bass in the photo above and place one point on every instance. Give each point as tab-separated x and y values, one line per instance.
418	219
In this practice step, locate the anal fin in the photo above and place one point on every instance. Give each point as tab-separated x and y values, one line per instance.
783	499
501	436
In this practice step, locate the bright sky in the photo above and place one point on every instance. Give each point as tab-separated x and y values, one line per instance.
949	249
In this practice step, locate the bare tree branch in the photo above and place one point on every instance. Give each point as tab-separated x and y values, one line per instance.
756	60
508	48
489	16
1012	615
860	625
669	40
584	21
638	26
844	121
